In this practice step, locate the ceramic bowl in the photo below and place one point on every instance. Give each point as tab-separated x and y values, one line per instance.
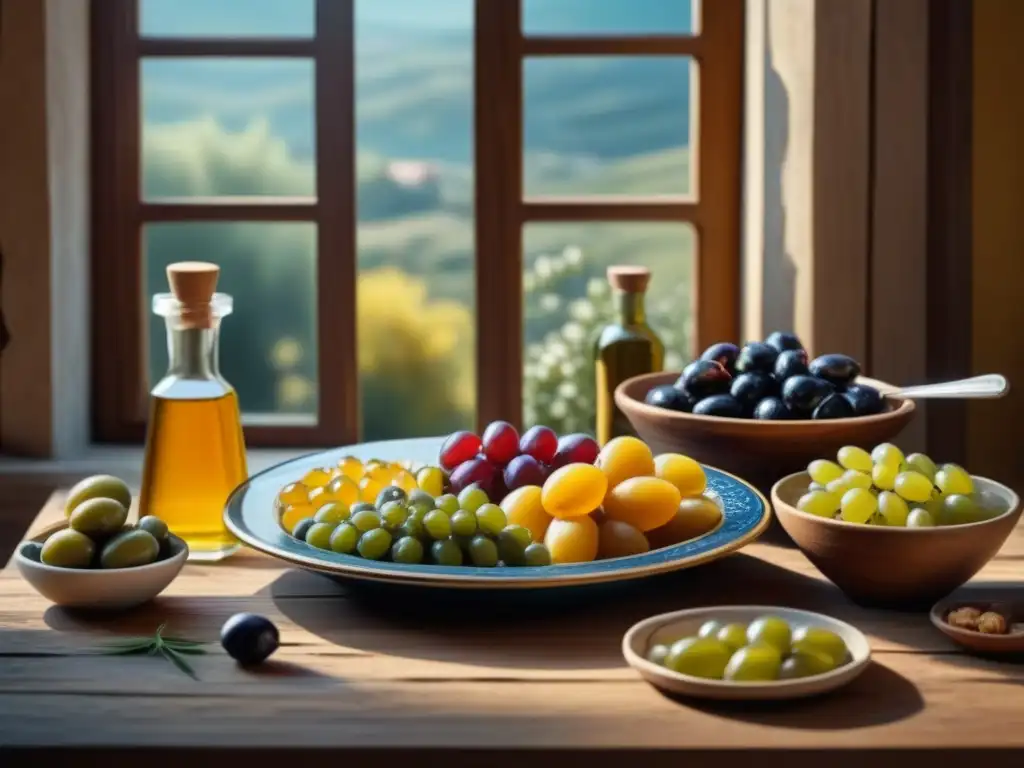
101	589
669	627
758	451
894	567
979	642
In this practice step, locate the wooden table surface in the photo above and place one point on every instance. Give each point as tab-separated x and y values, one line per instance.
394	672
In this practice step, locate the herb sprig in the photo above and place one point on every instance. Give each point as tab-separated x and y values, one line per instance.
173	649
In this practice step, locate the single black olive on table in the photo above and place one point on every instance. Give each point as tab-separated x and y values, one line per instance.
750	388
783	341
756	357
724	353
703	378
719	405
839	370
792	362
802	394
865	399
667	396
32	550
249	639
835	406
772	409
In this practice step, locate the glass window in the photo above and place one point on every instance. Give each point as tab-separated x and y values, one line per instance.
608	17
226	18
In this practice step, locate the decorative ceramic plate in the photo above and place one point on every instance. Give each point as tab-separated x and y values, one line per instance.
250	515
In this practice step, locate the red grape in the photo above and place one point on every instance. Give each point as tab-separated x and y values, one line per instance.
524	470
501	443
575	449
540	442
475	470
459	447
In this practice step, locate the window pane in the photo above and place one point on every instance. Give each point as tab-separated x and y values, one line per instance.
416	314
226	18
598	125
567	300
227	127
268	344
608	17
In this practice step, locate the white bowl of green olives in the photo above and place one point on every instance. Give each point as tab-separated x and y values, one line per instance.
746	652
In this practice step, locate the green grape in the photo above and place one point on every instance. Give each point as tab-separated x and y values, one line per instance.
417	514
537	554
954	479
913	486
413	528
512	543
920	518
333	513
823	471
344	538
918	462
491	519
407	550
319	535
446	552
838	487
770	630
463	523
852	457
887	454
657	654
709	629
374	544
856	479
757	662
447	503
805	663
818	640
472	498
483	552
362	506
420	499
884	476
699	657
733	635
991	502
302	528
858	505
365	520
393	515
438	524
959	509
893	508
820	503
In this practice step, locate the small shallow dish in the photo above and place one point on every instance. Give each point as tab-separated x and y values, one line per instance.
669	627
981	642
921	565
108	589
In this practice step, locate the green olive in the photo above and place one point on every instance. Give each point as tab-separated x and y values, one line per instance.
155	526
98	518
68	548
130	549
98	487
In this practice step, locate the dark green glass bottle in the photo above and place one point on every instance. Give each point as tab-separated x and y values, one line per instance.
624	349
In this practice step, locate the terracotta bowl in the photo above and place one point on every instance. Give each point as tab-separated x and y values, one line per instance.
758	451
894	567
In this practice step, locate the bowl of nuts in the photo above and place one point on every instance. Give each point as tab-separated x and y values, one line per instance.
982	626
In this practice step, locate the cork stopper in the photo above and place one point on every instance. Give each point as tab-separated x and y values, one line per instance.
193	284
629	279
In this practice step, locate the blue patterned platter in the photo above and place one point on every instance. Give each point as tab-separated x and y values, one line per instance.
251	516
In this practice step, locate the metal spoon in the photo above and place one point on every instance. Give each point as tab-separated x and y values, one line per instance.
989	386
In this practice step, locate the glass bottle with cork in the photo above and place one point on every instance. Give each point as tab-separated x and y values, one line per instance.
195	451
624	349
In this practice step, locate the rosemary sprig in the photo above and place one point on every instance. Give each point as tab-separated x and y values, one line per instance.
173	649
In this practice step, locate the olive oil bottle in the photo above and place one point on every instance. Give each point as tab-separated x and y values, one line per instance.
195	452
624	349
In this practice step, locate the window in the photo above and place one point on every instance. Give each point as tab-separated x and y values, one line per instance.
414	211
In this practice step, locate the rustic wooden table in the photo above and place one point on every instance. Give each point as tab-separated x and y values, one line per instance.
373	678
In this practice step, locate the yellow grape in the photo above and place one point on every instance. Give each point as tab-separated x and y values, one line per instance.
293	493
317	478
884	476
523	507
379	474
574	490
351	467
686	474
856	479
820	503
823	471
888	454
573	540
295	513
893	508
623	458
618	539
920	518
953	479
858	505
318	497
694	517
431	480
344	489
645	503
852	457
369	488
918	462
913	486
404	480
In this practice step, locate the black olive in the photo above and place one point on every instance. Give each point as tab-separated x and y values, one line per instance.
703	378
724	353
249	639
32	550
756	357
750	388
299	531
802	394
667	396
719	405
772	409
866	400
840	370
782	340
792	362
835	406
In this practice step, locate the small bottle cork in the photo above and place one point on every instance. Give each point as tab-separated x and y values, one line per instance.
193	284
629	279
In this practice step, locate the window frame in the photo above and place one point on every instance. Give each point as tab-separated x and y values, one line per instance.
501	210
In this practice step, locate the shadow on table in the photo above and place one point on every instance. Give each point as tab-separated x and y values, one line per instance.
879	696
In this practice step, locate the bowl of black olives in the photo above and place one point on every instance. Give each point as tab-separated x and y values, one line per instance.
762	410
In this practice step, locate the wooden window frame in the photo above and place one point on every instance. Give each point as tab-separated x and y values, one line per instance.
120	211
